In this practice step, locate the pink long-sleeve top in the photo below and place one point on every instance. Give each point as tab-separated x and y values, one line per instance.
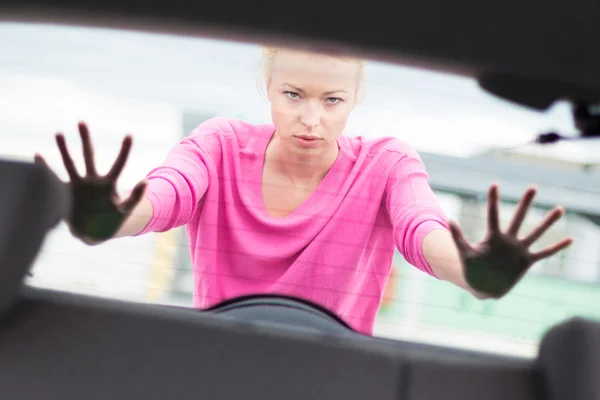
335	249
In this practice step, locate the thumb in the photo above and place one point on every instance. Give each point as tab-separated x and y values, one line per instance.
461	243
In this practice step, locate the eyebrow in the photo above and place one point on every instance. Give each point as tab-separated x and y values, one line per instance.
297	89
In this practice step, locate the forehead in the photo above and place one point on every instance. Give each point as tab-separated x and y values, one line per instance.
303	68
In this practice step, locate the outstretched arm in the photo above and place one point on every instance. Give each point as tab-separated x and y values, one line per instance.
138	219
492	267
418	219
439	249
488	269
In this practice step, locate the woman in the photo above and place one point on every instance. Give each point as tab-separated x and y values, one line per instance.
294	207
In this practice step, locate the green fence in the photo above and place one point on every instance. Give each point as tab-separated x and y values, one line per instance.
534	305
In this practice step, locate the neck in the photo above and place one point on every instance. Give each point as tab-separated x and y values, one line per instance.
305	168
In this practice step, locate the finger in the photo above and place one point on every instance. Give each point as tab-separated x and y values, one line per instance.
551	250
493	219
88	152
66	157
551	218
117	167
134	197
461	243
521	212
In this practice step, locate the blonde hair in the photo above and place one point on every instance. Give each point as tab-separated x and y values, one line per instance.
269	54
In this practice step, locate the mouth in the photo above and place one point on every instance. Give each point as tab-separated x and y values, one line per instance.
307	141
306	137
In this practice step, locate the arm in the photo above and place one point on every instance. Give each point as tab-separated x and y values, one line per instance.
173	191
176	188
492	266
138	219
171	195
420	226
441	253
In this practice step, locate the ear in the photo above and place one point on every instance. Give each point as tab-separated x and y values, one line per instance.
268	87
360	87
360	92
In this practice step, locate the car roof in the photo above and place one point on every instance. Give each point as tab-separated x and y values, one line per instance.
527	51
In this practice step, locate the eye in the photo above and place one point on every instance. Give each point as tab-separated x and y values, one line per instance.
292	95
333	100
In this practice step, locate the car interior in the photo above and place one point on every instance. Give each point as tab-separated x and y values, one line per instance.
59	345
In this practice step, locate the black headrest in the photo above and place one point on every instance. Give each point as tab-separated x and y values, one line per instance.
570	360
32	201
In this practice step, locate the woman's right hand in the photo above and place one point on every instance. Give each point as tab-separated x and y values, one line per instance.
97	212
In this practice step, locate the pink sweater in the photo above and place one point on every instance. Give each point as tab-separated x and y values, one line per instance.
336	249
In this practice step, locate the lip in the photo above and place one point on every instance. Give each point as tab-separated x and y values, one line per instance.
308	137
307	141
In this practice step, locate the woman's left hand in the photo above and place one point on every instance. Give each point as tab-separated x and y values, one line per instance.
493	266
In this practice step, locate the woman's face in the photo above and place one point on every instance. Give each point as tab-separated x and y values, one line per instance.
311	98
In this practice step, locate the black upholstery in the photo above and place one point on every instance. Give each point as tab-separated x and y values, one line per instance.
32	200
439	378
570	360
64	346
59	346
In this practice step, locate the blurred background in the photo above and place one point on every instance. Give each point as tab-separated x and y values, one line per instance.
159	87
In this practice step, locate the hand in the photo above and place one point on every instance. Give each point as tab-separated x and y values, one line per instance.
96	213
493	266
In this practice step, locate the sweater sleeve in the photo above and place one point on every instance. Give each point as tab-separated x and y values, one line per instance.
412	206
177	186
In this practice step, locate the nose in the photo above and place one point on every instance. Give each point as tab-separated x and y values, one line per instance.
311	115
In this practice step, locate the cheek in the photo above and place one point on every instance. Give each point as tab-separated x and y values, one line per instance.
336	121
283	117
282	106
281	110
340	114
